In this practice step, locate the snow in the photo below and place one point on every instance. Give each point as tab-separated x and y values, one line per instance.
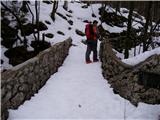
75	83
78	16
5	59
118	54
156	39
109	9
136	25
78	90
125	12
113	29
141	57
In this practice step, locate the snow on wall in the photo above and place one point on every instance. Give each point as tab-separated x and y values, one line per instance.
124	79
23	81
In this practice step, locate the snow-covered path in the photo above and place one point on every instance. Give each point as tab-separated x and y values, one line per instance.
79	91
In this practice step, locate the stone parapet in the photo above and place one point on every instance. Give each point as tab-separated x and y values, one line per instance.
124	78
22	81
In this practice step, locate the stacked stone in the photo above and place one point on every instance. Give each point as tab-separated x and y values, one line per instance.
21	82
124	78
111	65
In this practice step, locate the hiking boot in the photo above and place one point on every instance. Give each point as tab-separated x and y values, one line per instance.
96	60
88	61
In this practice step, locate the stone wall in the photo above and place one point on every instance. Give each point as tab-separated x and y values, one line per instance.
124	78
21	82
111	65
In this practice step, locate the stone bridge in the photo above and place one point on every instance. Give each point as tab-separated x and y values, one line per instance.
24	80
21	82
125	79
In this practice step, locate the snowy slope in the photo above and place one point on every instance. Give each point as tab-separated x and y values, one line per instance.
78	16
78	90
141	57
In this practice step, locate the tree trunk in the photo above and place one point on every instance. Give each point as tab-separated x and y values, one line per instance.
148	17
24	6
37	8
32	19
127	41
19	22
55	6
103	11
65	6
118	6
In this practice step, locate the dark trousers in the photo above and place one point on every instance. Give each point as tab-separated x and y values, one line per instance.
91	46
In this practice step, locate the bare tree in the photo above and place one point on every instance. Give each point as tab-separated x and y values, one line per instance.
118	3
157	23
24	6
28	7
127	41
37	8
65	6
18	21
55	6
103	7
148	20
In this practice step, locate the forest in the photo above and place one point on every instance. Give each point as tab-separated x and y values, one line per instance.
21	19
44	71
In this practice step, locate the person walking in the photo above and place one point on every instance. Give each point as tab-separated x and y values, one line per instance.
92	38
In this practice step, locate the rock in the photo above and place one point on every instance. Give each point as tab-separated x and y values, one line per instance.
17	100
7	96
70	22
46	21
24	9
114	35
8	34
64	17
5	21
125	11
24	88
42	26
21	79
2	61
18	55
136	15
86	21
69	28
68	15
28	29
61	33
85	6
47	2
80	32
4	114
93	15
9	87
49	35
40	45
74	45
79	106
70	11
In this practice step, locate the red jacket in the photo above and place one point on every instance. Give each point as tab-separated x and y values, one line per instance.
91	35
95	33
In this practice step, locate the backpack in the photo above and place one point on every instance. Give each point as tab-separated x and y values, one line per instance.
89	31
